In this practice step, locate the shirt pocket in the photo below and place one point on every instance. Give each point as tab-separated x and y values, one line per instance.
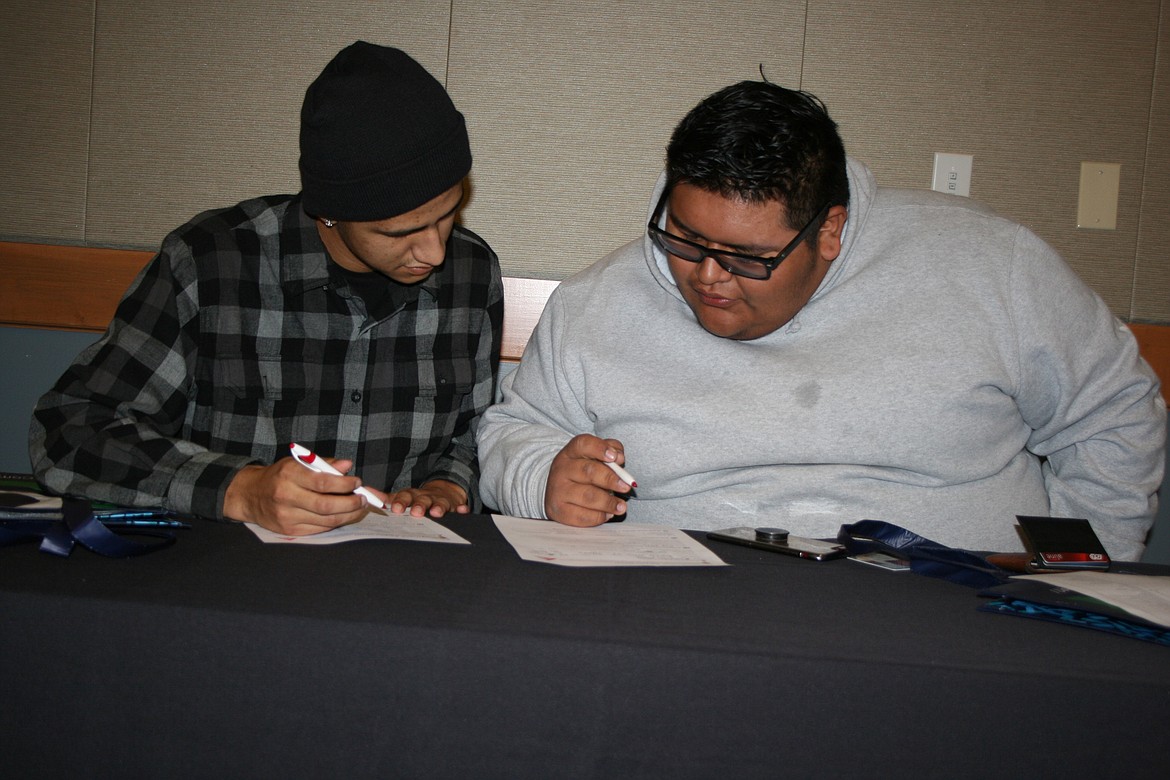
444	382
249	406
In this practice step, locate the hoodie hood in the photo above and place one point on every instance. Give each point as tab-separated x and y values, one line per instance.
862	189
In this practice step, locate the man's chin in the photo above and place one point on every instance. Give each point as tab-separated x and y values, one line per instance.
729	330
408	277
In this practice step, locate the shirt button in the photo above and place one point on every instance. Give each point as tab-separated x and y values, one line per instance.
357	396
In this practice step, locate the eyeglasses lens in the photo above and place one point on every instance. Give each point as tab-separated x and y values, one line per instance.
693	253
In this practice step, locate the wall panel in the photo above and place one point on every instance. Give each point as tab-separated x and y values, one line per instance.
1151	298
1030	88
571	105
123	118
45	75
197	105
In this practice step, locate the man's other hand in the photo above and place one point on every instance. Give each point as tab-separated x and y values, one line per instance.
581	488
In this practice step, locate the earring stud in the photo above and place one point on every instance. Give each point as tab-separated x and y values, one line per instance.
328	223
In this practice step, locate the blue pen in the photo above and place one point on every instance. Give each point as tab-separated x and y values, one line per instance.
145	523
133	514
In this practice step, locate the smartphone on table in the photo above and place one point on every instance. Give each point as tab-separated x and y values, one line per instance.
779	540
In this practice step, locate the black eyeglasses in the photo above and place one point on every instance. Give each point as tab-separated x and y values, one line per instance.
749	266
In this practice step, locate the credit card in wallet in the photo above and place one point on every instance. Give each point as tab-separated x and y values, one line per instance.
1062	543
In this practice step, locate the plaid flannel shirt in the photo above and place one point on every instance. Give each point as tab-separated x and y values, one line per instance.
238	339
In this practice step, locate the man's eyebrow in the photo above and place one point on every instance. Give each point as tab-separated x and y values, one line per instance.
407	231
743	249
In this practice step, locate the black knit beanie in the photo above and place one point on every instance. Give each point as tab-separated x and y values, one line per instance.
379	137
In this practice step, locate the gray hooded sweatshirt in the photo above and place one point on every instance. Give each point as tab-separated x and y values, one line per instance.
949	373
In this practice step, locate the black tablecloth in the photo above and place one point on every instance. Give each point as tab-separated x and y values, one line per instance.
226	657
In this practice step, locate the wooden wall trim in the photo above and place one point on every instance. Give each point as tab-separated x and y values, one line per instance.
64	287
77	288
1154	343
524	301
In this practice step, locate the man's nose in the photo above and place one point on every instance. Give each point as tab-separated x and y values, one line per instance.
710	271
430	247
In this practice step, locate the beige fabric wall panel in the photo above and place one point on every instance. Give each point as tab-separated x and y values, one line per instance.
1151	297
124	118
45	72
571	105
197	105
1030	89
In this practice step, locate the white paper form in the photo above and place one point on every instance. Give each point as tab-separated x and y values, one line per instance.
617	544
1145	596
373	526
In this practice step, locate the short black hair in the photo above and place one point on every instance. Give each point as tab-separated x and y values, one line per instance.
758	141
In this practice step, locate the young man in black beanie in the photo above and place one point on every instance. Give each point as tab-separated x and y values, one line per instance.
355	318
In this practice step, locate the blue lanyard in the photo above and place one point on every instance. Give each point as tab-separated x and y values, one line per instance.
77	524
925	556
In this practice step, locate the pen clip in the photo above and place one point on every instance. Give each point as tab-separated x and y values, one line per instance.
302	454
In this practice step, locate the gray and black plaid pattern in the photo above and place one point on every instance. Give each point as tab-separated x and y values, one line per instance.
240	337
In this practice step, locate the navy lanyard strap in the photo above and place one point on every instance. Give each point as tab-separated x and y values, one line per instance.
78	525
13	531
926	557
90	532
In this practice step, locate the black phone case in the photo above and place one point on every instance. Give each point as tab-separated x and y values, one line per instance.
1062	543
820	550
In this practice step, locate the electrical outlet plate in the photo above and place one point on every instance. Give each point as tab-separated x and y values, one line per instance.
1097	202
952	173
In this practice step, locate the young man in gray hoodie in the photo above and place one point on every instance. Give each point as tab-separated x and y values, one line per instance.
792	345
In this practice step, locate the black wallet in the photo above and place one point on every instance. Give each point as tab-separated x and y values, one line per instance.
1062	544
